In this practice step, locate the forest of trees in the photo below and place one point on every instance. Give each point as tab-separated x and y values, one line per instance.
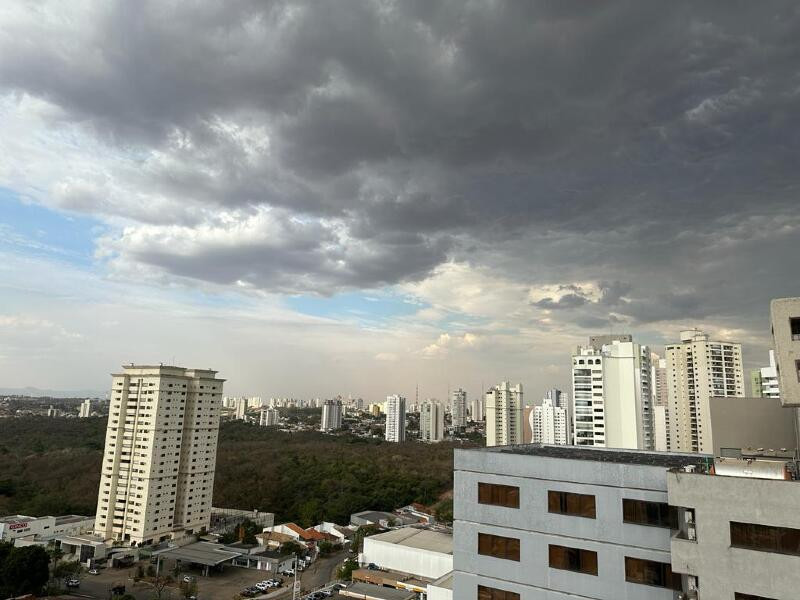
52	466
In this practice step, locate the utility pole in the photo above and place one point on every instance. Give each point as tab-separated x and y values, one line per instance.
294	586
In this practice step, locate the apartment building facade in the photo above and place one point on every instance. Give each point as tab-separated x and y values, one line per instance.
739	536
504	414
561	522
431	421
157	474
458	401
331	419
395	409
549	423
699	369
612	394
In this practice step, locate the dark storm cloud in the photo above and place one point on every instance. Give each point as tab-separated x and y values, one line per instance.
636	143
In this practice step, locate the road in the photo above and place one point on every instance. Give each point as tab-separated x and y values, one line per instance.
219	586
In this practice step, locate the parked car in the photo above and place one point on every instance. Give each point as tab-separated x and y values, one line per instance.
94	572
188	579
73	583
372	567
288	573
250	592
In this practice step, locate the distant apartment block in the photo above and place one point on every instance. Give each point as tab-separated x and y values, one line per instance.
85	409
431	422
612	394
395	408
331	419
458	401
241	407
476	409
157	474
764	381
549	423
269	417
504	414
698	369
561	400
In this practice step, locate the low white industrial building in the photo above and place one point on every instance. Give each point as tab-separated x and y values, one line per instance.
21	526
420	552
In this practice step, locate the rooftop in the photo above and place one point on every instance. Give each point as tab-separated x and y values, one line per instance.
202	553
669	460
66	519
375	592
422	539
15	518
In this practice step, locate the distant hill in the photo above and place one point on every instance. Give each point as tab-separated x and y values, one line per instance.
38	393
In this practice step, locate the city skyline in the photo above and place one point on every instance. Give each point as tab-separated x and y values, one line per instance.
311	221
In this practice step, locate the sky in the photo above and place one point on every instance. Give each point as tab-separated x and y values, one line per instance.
359	197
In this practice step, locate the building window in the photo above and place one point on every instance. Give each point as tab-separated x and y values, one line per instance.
573	559
650	572
794	325
765	538
739	596
498	495
487	593
498	546
657	514
567	503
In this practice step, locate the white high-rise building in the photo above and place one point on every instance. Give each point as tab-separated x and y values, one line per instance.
561	400
699	369
504	415
331	415
160	454
395	409
86	409
241	408
476	409
765	380
431	421
549	424
612	395
269	417
458	400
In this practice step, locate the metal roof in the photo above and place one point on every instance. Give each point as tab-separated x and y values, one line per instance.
201	553
422	539
375	592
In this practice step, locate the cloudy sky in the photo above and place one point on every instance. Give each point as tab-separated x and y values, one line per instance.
352	197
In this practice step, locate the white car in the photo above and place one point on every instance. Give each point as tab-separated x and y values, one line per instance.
188	579
94	572
262	585
73	583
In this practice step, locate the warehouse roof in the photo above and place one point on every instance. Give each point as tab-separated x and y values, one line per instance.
422	539
375	592
613	455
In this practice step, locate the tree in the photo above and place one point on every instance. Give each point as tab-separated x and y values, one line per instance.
161	587
345	572
23	570
66	570
290	548
443	511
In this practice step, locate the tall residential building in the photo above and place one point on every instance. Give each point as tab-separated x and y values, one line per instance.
549	424
699	369
764	381
269	417
476	409
86	409
458	400
660	389
160	454
395	409
785	317
241	408
504	415
561	400
612	395
331	415
431	422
